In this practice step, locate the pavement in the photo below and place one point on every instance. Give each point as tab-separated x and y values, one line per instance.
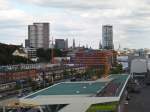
140	102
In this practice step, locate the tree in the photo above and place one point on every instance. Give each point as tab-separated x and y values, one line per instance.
45	54
117	70
18	86
65	74
6	56
33	84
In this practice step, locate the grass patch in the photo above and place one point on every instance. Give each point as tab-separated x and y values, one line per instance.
103	107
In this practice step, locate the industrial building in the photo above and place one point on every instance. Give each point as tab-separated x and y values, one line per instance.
103	95
139	67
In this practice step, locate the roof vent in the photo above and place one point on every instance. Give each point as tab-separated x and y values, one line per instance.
77	92
90	83
84	87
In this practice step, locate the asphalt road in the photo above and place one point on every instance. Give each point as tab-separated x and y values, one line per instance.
140	102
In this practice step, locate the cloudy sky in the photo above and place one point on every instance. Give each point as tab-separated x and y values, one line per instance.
79	19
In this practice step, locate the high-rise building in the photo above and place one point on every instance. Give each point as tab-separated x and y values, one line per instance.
38	35
32	53
107	37
60	43
27	43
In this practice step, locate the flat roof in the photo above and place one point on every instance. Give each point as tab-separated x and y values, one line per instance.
119	78
78	96
72	88
89	88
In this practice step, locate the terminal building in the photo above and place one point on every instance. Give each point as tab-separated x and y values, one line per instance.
102	95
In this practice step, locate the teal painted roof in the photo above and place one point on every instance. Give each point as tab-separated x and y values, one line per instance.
70	88
79	88
119	78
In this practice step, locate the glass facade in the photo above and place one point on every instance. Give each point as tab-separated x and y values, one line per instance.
107	37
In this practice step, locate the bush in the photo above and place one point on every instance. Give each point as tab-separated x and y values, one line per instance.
117	70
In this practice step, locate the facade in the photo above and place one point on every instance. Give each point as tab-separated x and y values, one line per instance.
22	67
7	77
59	73
62	60
139	67
60	44
27	43
32	53
96	59
38	35
52	72
107	37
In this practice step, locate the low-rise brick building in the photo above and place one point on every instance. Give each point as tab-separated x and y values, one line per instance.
96	59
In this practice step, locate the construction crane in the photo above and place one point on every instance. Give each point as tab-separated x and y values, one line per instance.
52	52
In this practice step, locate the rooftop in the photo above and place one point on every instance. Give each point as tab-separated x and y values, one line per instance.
79	96
72	88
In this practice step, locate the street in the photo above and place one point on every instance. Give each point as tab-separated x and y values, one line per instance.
140	102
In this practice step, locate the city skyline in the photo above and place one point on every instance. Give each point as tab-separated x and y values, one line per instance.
130	20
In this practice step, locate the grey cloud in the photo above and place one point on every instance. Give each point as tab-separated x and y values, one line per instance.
6	24
83	19
63	28
77	4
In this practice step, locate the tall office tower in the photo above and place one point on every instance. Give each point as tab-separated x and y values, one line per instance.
107	37
38	35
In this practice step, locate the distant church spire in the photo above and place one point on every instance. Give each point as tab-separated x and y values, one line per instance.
74	45
119	47
100	45
86	45
79	43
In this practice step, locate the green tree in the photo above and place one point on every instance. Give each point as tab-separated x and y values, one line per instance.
45	54
117	70
18	86
66	74
6	56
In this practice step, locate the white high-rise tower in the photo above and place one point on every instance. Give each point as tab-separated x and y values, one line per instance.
107	37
